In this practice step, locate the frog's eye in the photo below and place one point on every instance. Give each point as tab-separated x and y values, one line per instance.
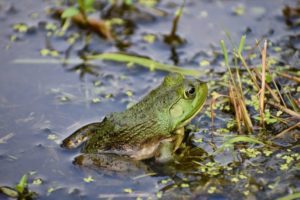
190	92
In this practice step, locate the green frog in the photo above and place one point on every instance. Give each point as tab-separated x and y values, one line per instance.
154	127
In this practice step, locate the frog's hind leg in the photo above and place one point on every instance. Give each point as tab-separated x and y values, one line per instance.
80	136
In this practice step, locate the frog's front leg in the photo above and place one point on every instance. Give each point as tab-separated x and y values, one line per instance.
179	136
167	148
80	136
165	152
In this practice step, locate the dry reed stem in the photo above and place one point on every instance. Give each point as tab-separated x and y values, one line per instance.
281	134
95	25
286	110
290	77
273	94
263	84
282	100
232	97
241	113
212	114
245	115
292	101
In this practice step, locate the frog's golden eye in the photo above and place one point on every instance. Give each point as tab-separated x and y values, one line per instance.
190	92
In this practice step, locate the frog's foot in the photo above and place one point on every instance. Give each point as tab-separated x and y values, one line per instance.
167	148
110	162
178	138
80	136
165	153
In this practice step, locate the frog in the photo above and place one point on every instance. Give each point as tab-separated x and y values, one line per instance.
151	128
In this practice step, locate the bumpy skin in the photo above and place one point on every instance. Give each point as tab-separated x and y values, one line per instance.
140	131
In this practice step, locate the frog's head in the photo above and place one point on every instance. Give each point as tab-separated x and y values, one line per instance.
187	96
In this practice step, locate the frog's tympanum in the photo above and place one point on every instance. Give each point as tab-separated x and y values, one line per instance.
154	127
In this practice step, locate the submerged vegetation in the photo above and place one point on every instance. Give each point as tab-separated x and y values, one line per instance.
246	144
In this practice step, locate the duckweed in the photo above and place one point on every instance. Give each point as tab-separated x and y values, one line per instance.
250	152
128	190
88	179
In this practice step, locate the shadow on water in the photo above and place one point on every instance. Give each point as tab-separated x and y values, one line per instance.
42	103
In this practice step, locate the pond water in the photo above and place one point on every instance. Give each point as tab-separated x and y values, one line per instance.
42	102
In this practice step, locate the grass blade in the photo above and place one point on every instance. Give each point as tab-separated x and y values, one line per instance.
241	46
231	141
22	184
225	52
291	196
145	62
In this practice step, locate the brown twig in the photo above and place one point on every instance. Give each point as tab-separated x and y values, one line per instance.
97	26
241	113
282	100
286	110
282	133
212	114
273	94
290	77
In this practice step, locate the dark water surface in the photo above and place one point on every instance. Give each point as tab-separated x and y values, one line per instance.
40	104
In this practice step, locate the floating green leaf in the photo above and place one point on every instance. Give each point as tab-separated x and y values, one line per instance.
184	185
52	137
89	5
22	28
50	190
128	2
159	195
9	192
211	189
128	190
150	38
129	93
37	181
96	100
239	10
250	152
204	63
88	179
70	12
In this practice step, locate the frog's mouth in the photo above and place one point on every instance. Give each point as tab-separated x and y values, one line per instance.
176	111
189	118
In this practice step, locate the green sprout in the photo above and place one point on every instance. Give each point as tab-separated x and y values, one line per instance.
84	7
